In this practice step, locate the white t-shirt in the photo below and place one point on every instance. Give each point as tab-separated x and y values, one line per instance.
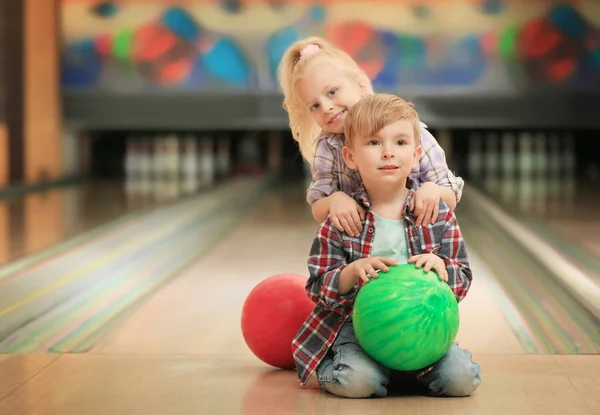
390	239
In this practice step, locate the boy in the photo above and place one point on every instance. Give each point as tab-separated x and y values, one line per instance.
381	143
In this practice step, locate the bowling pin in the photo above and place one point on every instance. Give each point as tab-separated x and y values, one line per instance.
526	180
171	157
508	168
189	165
509	162
223	162
474	163
540	174
158	157
206	167
146	167
492	162
540	155
132	167
525	159
132	158
554	173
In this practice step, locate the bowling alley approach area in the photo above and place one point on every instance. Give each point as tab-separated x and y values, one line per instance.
154	229
129	298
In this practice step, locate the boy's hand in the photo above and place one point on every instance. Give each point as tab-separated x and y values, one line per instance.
430	261
361	267
346	214
425	204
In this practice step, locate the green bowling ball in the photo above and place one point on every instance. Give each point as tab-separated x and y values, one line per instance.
406	319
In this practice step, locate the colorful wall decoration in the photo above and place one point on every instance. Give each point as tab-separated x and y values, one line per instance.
210	45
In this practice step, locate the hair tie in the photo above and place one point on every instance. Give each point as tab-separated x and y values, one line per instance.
309	50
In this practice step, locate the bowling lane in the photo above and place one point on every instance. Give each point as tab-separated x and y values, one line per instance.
38	221
546	180
198	313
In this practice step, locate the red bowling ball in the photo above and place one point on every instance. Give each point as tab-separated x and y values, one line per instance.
272	315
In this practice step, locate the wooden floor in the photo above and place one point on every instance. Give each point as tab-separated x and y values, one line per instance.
182	351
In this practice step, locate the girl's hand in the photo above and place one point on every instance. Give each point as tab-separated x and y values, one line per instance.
425	204
346	214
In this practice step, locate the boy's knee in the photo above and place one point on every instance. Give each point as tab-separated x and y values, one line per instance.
353	374
455	374
363	383
462	384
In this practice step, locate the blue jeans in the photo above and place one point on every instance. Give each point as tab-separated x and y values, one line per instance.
351	373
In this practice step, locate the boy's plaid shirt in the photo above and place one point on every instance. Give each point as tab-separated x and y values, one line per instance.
332	251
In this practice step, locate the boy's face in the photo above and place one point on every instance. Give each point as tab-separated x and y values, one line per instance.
327	93
387	157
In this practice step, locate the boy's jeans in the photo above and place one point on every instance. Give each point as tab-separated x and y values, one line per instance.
351	373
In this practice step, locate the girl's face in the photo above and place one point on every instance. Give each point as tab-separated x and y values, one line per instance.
327	93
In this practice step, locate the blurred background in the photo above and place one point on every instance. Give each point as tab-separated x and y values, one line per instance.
124	116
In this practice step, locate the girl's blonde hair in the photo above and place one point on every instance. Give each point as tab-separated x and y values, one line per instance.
296	60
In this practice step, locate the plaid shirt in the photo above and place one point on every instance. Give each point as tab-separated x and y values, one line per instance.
332	251
330	173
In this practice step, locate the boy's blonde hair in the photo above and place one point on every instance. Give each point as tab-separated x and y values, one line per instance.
296	60
374	112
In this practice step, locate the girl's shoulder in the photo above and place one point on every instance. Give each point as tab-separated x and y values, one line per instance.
330	140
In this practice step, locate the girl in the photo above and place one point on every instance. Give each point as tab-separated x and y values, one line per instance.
320	82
